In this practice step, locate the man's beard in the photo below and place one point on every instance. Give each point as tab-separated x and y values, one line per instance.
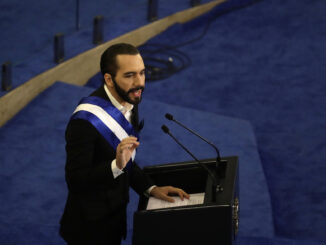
125	94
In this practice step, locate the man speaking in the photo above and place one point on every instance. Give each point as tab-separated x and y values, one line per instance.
101	142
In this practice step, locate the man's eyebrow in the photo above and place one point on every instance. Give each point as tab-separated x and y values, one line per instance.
129	73
132	72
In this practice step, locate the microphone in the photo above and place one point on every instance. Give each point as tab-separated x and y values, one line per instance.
210	173
219	160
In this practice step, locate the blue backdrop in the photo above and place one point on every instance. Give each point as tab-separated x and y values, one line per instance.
255	87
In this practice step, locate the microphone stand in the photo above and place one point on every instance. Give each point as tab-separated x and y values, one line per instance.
220	166
215	185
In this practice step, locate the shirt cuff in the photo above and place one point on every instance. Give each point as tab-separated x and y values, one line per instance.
148	191
115	170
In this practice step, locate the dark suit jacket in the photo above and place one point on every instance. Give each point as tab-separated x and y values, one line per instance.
93	194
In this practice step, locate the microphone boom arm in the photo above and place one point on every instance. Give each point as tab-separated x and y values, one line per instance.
219	161
215	185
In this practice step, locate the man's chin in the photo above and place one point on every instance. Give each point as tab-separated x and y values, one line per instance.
135	101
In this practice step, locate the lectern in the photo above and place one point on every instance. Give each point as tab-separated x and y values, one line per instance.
213	222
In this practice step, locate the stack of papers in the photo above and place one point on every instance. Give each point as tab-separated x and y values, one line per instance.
194	199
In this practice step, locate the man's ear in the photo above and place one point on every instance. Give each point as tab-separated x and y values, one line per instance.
108	80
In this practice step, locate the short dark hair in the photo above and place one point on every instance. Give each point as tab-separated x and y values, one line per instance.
108	59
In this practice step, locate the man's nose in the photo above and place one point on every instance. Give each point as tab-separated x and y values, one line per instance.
139	80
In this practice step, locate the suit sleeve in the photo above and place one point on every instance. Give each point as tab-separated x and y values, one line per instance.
85	169
140	181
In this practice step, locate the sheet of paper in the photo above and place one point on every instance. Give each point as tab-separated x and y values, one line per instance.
194	199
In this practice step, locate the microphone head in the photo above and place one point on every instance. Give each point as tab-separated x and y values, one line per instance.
169	116
165	129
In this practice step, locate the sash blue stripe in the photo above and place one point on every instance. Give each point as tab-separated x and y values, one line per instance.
105	131
112	111
110	137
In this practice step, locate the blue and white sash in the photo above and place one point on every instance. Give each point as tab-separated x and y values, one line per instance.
107	119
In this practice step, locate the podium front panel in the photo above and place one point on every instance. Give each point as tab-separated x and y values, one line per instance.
209	223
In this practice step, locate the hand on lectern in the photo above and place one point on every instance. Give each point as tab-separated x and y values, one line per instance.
164	191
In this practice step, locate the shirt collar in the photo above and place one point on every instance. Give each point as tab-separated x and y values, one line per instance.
124	109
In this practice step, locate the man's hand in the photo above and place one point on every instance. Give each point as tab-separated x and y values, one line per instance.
125	150
162	193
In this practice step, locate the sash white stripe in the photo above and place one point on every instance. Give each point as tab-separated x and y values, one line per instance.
106	119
